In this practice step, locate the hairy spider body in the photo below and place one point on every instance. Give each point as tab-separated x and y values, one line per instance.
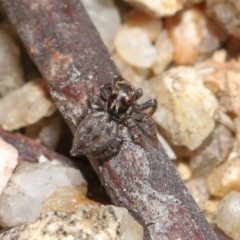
101	131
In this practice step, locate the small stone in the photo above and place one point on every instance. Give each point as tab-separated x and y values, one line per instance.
213	151
150	25
65	199
30	185
225	120
11	72
95	222
121	65
185	106
233	85
236	149
138	76
158	8
191	36
165	53
134	47
228	215
47	131
8	162
199	191
13	233
25	105
227	13
105	17
219	56
184	171
223	79
210	210
225	178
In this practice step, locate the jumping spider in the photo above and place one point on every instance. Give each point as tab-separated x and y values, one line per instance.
101	130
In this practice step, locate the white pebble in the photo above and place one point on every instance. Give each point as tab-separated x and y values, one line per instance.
135	48
165	52
25	105
227	13
105	17
8	162
87	222
158	8
11	71
186	107
228	215
30	185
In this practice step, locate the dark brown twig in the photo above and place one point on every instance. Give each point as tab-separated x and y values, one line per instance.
72	58
30	150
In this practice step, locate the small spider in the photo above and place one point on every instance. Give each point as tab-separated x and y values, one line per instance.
101	130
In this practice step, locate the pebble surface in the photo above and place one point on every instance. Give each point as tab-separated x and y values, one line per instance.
8	162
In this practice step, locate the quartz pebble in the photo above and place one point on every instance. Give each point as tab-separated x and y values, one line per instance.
135	75
225	178
105	17
13	233
65	199
134	47
210	210
222	78
225	120
95	222
228	215
213	151
150	25
158	8
25	105
8	162
120	63
30	185
185	106
189	31
165	53
47	131
199	191
11	73
236	149
184	171
138	76
227	13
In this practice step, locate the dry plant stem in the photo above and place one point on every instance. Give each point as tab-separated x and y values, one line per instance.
30	150
72	58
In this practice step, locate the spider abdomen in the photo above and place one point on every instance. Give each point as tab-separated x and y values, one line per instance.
94	134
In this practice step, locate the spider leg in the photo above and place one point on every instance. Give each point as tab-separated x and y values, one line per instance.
114	148
152	103
139	93
147	127
134	132
105	92
138	116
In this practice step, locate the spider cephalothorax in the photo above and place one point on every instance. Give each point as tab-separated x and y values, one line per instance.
120	99
101	131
